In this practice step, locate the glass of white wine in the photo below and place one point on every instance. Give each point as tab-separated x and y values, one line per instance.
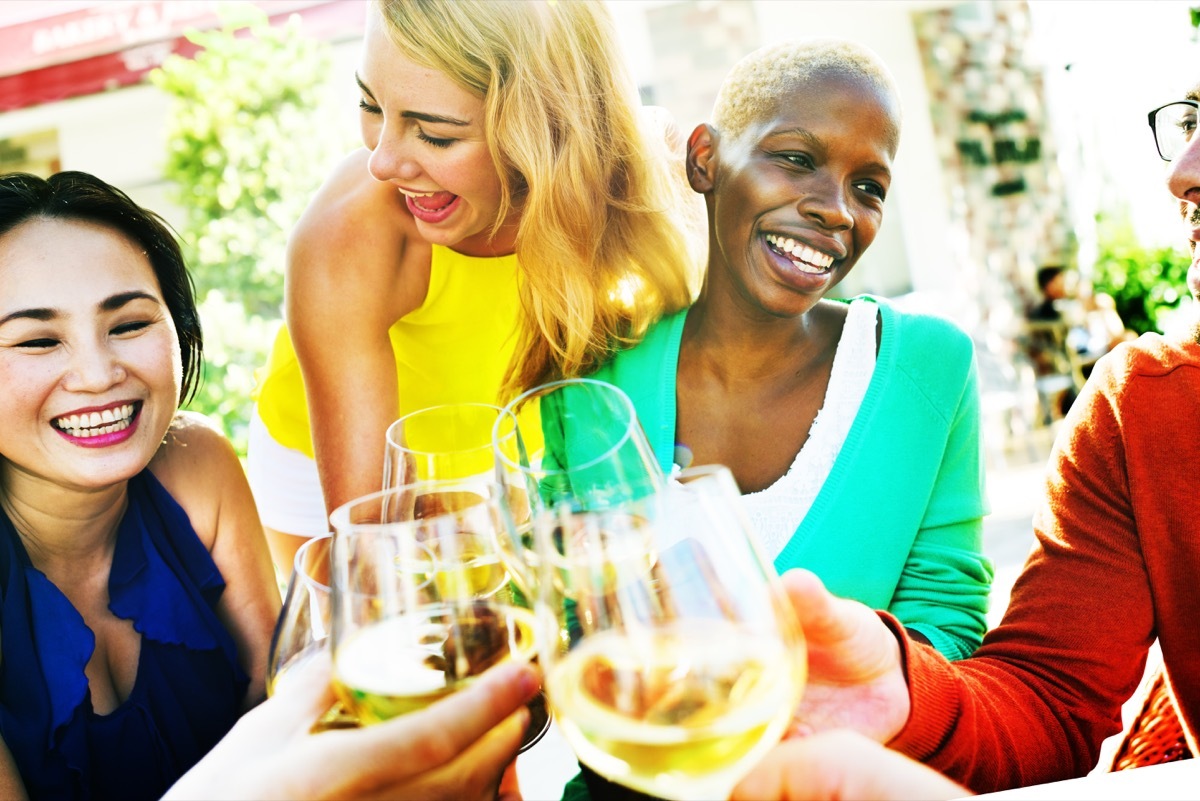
302	629
421	599
584	451
685	662
584	448
454	442
449	441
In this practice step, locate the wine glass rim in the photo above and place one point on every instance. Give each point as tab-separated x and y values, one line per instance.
339	518
297	561
391	440
509	412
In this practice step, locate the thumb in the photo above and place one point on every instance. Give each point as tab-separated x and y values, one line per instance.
846	640
816	608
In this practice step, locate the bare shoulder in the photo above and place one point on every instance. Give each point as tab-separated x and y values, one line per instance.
349	200
197	464
192	441
356	244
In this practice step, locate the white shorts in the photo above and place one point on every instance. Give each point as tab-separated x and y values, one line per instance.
285	483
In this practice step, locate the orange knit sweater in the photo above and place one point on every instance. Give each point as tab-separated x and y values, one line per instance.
1116	564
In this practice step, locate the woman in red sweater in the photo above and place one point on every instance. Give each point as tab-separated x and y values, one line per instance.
1116	566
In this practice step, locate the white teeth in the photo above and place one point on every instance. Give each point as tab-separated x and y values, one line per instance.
96	423
803	256
418	194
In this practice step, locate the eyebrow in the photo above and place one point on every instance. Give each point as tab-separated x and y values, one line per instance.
111	303
414	115
815	142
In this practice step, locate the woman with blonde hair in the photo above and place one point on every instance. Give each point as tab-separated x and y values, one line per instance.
513	217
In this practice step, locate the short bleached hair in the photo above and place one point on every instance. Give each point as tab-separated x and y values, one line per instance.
754	85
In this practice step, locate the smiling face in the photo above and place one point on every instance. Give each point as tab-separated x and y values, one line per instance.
797	196
89	356
426	137
1183	179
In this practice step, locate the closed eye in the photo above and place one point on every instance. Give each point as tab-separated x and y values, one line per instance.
38	344
368	107
129	328
433	141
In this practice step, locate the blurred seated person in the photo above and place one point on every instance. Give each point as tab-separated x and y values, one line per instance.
1052	283
1047	342
137	598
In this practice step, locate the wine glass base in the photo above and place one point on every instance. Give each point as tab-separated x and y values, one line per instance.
539	722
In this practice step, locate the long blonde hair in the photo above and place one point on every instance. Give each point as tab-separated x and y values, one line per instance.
602	240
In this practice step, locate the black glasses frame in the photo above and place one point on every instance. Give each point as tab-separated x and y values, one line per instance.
1154	130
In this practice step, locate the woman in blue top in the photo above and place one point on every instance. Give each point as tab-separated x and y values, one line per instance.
852	428
136	591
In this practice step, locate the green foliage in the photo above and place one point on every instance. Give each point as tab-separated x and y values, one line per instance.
1146	283
234	346
246	151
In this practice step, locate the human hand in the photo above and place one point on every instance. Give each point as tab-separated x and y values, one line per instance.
841	764
855	679
455	749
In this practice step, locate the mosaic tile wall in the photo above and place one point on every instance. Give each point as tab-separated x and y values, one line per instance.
1007	202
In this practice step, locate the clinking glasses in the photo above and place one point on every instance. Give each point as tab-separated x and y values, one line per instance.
1174	125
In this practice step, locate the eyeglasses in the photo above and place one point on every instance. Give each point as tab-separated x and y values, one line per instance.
1174	125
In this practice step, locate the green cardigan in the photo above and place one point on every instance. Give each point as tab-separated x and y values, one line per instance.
898	523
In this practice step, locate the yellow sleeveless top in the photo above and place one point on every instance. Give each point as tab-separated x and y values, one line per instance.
454	348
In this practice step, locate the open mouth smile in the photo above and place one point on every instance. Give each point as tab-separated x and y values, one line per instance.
96	424
802	257
430	207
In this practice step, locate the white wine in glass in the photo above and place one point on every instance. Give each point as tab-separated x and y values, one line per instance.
404	663
421	605
685	666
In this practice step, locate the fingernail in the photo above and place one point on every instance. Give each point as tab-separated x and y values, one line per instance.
530	682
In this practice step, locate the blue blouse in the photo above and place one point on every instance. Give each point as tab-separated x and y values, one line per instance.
189	687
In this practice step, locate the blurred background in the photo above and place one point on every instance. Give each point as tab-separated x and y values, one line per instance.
1025	144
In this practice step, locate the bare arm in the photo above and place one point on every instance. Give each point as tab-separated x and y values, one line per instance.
11	786
198	466
354	267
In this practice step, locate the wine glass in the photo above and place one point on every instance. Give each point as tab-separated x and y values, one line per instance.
302	629
421	599
585	448
454	441
594	456
449	441
686	661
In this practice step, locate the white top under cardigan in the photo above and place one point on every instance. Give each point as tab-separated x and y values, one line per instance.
776	511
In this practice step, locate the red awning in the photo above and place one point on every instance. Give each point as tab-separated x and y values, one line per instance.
114	44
